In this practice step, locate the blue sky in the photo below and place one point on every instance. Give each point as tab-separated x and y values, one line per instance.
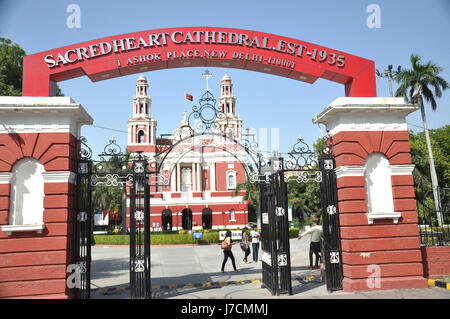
263	101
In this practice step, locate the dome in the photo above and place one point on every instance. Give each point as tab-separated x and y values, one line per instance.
142	78
226	77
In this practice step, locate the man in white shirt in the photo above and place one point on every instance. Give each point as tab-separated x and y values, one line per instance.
314	247
254	234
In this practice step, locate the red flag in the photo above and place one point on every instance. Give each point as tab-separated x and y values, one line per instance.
104	213
244	204
189	97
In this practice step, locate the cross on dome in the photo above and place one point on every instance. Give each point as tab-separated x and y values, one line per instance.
207	75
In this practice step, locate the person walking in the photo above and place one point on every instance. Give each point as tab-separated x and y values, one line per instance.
316	233
245	244
254	234
227	244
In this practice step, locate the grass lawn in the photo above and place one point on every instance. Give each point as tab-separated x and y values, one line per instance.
170	238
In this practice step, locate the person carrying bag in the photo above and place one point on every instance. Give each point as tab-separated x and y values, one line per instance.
226	246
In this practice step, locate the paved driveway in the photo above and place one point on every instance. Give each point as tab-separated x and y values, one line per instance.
187	264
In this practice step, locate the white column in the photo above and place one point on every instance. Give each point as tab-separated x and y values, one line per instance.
194	181
178	178
173	185
212	177
199	176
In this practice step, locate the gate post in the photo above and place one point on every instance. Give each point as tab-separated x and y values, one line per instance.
38	153
379	236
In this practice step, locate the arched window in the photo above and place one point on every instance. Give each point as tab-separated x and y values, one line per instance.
141	136
27	193
206	218
380	202
232	215
186	218
166	219
231	179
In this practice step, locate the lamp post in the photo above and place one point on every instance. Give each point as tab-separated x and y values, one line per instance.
389	74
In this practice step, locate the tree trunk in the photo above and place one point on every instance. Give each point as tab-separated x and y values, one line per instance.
434	180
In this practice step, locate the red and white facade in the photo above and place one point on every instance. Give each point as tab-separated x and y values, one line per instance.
200	173
38	153
380	242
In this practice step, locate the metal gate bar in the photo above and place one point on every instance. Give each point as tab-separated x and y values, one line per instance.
331	250
83	230
284	255
140	232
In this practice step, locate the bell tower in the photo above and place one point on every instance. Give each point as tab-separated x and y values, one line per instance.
227	106
141	125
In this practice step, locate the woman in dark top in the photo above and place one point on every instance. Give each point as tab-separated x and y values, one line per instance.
227	253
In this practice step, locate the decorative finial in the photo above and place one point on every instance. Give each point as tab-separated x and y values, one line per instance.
207	75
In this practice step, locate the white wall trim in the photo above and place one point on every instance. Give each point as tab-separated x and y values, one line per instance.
5	178
60	177
349	170
9	229
394	215
357	170
406	169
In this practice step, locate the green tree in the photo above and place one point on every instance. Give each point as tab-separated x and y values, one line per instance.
108	197
11	69
440	143
416	83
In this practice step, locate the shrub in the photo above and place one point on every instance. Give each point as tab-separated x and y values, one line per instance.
293	232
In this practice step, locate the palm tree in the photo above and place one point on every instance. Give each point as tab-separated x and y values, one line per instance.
416	83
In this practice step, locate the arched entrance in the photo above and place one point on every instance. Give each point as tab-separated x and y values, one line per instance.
249	50
186	218
206	218
166	219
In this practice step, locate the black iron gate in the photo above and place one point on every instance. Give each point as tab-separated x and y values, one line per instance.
274	173
114	169
276	267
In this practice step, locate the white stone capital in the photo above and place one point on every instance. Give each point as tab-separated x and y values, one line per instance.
365	114
31	114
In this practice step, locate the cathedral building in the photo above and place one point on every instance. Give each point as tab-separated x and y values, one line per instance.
198	170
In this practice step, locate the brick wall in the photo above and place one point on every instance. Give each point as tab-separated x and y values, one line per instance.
393	248
33	265
436	261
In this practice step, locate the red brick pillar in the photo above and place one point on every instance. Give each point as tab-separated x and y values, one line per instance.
380	249
34	256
